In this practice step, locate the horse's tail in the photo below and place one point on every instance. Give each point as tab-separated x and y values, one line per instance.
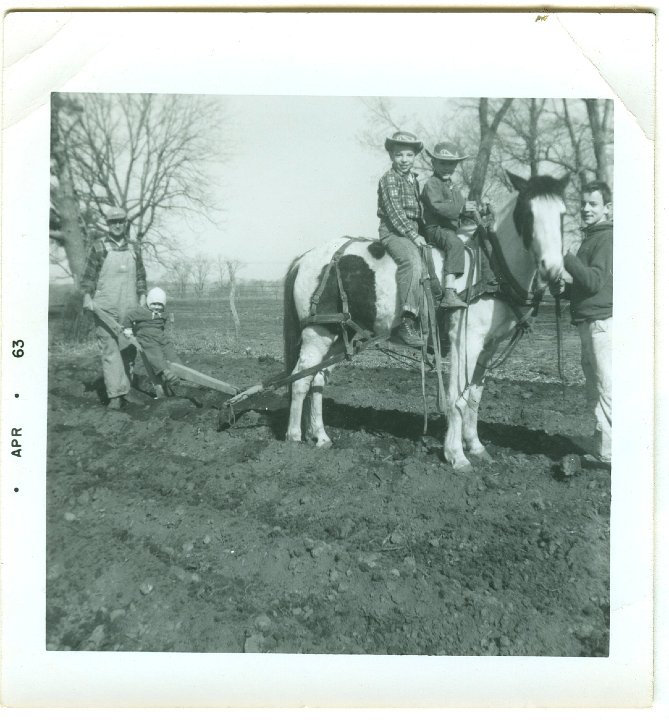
291	322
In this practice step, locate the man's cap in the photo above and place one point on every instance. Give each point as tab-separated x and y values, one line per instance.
446	151
403	137
116	213
156	295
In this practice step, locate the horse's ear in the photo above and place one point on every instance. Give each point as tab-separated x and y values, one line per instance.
518	183
563	182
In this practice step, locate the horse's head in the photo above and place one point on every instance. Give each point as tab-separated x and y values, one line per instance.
538	219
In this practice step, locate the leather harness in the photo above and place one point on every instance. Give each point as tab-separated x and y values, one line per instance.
352	333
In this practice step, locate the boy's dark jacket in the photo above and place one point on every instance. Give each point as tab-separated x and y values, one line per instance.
146	323
442	203
149	329
592	270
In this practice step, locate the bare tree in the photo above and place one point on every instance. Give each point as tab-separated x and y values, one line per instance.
233	267
65	230
526	133
179	272
600	117
488	132
576	163
200	269
147	153
221	272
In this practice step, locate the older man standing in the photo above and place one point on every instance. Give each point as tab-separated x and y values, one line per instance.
113	279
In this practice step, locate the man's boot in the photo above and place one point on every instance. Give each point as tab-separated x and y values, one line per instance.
451	300
407	333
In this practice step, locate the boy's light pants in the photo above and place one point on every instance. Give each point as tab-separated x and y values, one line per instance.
409	270
596	336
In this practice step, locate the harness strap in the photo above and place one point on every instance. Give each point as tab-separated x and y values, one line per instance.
436	342
523	325
343	319
334	262
508	284
558	329
436	285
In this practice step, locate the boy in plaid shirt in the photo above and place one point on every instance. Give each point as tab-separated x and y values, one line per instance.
399	211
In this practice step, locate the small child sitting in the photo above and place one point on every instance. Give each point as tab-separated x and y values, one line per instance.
443	205
147	323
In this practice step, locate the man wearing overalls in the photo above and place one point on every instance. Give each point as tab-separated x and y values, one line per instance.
113	279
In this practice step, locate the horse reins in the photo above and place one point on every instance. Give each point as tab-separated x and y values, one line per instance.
560	349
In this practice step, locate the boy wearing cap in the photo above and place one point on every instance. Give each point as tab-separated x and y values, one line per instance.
147	323
591	308
399	211
443	204
113	277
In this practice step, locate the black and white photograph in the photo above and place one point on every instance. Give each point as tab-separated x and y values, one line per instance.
333	373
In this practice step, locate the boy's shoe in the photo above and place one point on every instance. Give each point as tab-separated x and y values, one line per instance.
451	300
407	333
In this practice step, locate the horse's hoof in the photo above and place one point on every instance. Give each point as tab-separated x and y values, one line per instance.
323	442
293	438
461	466
483	457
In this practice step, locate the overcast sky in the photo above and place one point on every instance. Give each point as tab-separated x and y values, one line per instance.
299	175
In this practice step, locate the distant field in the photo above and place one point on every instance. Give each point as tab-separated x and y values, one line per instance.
205	326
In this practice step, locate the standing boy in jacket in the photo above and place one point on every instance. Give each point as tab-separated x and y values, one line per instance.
592	308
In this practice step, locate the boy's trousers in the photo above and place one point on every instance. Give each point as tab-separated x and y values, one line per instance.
596	341
454	249
409	271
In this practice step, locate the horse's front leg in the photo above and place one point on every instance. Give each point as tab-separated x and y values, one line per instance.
455	399
465	385
316	341
298	393
453	449
315	428
470	419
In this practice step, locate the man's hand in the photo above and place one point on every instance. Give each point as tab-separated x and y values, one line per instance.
127	332
557	287
420	241
142	300
88	302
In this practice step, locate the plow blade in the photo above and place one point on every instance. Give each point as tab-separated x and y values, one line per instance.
198	378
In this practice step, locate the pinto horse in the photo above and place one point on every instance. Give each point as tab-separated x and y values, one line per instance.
529	232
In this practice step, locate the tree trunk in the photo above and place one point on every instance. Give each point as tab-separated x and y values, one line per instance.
75	323
599	126
488	134
582	175
72	237
232	297
65	199
532	138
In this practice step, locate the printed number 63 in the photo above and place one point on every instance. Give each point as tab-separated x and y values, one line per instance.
17	350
